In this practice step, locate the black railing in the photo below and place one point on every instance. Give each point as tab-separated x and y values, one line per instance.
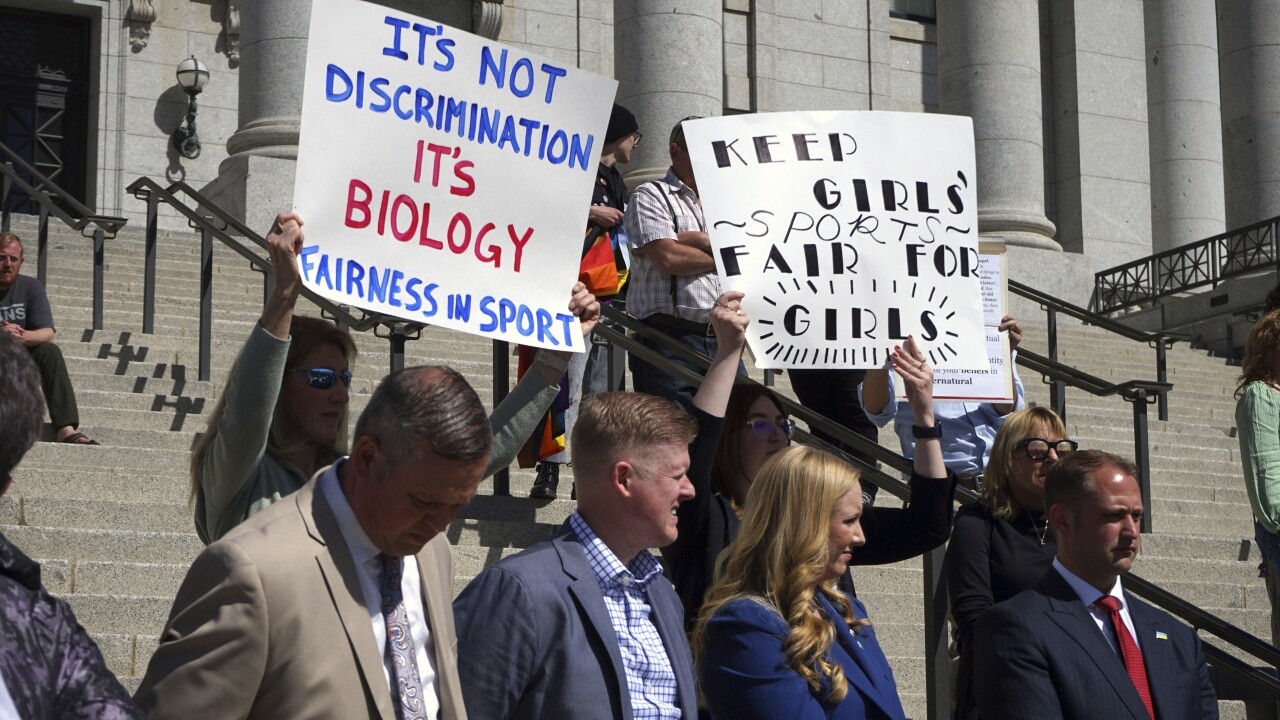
1138	393
1160	341
1208	262
51	199
212	222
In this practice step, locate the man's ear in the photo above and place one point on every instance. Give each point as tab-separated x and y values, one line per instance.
366	457
622	478
1059	518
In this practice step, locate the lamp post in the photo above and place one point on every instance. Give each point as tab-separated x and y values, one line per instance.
193	75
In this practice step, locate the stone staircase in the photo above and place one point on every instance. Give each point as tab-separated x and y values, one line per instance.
113	530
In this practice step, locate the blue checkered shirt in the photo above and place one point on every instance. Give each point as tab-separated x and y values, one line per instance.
651	682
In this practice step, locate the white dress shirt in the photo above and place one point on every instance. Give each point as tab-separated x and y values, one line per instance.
1089	594
7	709
365	554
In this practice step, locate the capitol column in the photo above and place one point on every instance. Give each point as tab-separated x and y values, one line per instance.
1250	63
256	179
1185	122
669	61
989	69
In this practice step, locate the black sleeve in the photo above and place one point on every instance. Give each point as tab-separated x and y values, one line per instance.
968	572
895	534
691	516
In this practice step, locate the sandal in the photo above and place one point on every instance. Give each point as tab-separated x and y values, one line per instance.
79	438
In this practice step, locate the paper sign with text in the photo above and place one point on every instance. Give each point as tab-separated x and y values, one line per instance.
848	231
995	384
445	178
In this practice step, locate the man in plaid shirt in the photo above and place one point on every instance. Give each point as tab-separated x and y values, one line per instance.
585	625
673	275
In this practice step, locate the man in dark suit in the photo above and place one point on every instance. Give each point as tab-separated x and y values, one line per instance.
334	602
1077	645
585	625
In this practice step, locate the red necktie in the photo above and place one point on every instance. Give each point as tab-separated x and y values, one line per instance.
1129	651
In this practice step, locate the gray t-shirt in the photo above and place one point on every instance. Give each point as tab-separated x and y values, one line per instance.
25	304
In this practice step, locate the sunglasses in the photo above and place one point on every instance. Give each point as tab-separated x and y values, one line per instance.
324	378
764	429
1038	448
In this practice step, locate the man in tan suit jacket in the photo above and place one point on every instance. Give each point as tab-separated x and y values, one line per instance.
278	619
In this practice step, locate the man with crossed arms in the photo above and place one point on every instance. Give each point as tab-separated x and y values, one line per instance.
1077	646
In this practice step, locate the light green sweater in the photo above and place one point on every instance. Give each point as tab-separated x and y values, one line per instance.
238	478
1258	423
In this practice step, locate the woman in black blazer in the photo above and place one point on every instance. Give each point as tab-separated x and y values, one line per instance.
1002	543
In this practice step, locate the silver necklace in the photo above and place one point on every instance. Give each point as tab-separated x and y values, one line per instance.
1039	533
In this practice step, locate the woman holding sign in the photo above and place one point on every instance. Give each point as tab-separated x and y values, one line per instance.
739	428
283	413
776	636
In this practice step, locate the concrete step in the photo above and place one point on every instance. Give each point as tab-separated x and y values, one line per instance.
118	545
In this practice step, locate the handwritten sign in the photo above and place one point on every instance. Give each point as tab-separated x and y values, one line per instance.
445	178
848	231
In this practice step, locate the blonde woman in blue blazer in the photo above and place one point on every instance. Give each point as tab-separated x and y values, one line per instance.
776	638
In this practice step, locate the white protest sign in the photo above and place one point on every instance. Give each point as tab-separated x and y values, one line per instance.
848	231
995	384
445	178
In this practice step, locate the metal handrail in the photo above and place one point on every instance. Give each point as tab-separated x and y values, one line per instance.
146	189
88	224
1200	264
1138	393
1161	341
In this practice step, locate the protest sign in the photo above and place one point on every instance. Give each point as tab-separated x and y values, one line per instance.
848	231
995	384
445	178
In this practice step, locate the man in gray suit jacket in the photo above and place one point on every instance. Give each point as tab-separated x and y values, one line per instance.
1077	645
585	625
334	602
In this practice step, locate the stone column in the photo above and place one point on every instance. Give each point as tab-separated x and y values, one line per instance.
1185	122
1250	65
669	63
989	69
256	179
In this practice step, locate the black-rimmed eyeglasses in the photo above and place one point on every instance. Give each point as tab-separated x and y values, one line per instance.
324	378
764	429
1038	448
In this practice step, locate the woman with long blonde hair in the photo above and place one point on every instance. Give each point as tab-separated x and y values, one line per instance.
776	637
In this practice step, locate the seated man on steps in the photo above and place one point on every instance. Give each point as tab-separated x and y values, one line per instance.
49	666
25	314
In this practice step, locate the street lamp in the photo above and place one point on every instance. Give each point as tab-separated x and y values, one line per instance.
193	75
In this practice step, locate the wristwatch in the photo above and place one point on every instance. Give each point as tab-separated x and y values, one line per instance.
923	433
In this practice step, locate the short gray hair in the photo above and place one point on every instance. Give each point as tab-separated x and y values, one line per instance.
21	404
427	406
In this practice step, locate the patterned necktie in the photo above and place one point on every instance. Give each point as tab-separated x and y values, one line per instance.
400	650
1129	651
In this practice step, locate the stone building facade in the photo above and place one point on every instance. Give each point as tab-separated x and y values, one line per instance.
1106	129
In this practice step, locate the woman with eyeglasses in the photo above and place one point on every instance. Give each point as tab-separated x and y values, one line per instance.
283	412
1002	543
742	426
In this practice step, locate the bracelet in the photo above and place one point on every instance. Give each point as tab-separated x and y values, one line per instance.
552	361
926	433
